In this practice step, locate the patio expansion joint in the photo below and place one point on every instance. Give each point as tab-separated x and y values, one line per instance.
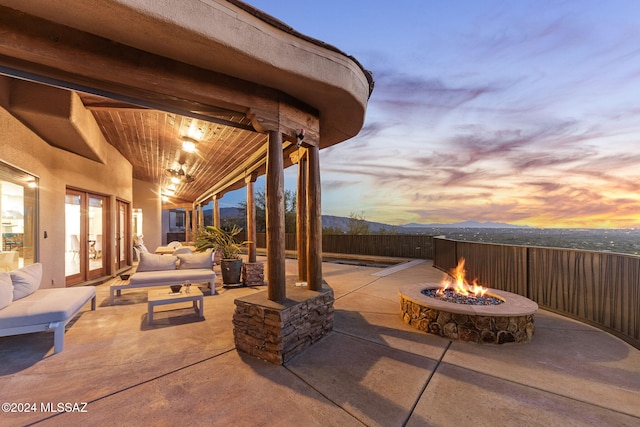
426	384
399	267
358	288
540	389
418	397
342	408
133	386
357	337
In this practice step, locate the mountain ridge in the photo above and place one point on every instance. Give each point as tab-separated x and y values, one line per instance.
466	224
342	223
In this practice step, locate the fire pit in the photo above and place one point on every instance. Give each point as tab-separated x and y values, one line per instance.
468	312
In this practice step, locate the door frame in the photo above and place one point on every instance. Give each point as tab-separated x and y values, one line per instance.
85	272
126	241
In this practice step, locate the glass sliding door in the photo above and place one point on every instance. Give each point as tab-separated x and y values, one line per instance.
86	237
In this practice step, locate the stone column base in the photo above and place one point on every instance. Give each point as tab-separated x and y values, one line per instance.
252	274
277	331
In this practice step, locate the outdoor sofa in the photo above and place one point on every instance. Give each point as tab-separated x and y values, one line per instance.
25	308
166	270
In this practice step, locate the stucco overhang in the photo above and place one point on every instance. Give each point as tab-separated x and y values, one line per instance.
231	38
61	120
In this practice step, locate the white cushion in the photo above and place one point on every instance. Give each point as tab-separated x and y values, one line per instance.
6	290
26	280
175	277
153	262
45	306
198	260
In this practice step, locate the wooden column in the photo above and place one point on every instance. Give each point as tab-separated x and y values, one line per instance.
301	216
314	220
216	211
251	218
200	216
194	219
187	222
276	271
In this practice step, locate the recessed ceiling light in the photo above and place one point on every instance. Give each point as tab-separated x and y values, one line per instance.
189	145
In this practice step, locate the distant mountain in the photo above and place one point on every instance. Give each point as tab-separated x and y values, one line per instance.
342	223
230	212
466	224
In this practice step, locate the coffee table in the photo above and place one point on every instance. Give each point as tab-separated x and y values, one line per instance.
165	296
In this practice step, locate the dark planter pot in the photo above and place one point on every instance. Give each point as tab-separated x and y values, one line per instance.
231	269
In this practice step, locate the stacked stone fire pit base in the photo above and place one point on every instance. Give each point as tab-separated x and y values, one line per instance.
511	321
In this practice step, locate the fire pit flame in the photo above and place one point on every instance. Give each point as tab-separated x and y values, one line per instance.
458	283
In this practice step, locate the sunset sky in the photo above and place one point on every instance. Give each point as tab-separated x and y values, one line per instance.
524	112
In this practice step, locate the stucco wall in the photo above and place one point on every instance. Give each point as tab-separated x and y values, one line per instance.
145	197
57	169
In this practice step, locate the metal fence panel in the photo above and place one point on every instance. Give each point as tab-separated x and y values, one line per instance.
444	254
601	288
391	245
497	266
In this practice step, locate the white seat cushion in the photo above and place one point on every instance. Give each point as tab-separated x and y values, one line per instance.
171	277
46	306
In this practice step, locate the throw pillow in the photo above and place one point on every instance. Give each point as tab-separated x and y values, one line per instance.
197	260
6	290
154	262
26	280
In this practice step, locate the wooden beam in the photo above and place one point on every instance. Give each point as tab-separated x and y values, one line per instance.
276	269
100	103
35	48
293	117
235	179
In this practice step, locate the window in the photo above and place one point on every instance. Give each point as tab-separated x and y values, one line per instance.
18	204
177	218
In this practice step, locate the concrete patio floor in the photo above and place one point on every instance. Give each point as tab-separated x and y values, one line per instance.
372	370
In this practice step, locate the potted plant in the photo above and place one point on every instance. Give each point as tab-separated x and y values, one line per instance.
215	238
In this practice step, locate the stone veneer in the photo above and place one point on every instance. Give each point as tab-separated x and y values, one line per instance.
252	273
511	321
277	331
